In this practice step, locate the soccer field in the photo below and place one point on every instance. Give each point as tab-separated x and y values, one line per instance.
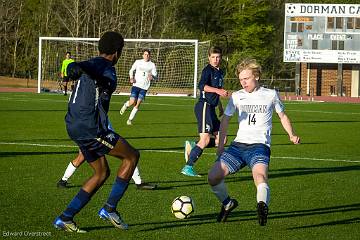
315	186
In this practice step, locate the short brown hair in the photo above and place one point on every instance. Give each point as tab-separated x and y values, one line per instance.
249	64
215	50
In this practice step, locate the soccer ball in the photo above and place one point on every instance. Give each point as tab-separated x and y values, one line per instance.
182	207
291	9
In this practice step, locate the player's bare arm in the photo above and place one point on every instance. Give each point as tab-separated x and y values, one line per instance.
223	133
286	123
220	91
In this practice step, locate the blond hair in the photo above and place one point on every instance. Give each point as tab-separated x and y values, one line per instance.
249	64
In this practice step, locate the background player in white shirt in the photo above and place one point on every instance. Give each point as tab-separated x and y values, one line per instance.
251	146
142	72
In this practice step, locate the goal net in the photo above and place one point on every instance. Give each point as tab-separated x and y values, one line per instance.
178	62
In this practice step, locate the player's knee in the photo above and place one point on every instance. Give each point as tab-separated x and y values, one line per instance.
214	178
259	178
134	158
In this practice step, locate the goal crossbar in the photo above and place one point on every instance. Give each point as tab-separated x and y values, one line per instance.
195	42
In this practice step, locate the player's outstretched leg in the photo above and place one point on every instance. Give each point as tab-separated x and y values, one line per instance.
130	156
101	173
262	212
216	178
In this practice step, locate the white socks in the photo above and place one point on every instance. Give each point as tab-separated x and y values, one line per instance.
127	104
220	191
133	113
136	176
69	171
263	193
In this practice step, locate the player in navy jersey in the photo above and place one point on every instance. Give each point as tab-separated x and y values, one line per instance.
87	125
211	88
251	147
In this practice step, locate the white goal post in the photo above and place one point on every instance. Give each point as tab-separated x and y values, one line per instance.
179	62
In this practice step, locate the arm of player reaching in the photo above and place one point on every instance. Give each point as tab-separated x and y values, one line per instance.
286	123
223	133
219	91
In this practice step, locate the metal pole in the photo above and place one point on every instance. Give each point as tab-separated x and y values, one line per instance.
340	80
297	77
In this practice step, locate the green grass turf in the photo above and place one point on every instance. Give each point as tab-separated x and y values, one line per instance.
315	187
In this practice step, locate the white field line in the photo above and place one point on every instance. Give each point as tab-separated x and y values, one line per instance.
179	152
170	105
65	101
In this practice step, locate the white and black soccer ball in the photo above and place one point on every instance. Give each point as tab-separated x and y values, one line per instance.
291	9
182	207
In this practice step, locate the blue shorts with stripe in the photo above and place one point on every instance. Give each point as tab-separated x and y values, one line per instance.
98	147
138	93
239	155
207	119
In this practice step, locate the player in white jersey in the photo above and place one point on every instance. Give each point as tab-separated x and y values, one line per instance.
145	72
251	147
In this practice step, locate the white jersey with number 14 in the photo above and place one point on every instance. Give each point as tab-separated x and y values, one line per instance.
255	112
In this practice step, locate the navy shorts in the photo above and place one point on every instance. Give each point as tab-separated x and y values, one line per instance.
206	118
239	155
138	93
98	147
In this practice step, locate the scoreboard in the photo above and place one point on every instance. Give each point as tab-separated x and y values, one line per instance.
322	33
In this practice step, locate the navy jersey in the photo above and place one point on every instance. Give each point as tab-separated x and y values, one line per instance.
89	103
214	78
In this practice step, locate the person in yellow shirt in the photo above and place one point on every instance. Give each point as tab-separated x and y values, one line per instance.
64	74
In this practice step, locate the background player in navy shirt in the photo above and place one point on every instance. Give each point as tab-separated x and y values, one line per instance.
87	125
211	88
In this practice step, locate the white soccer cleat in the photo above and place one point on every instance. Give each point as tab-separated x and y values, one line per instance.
128	122
123	109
